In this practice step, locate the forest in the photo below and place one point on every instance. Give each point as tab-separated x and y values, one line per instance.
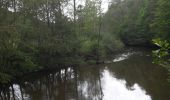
46	34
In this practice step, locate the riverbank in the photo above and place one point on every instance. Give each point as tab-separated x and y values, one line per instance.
80	61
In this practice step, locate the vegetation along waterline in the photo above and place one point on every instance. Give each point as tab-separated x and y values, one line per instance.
47	34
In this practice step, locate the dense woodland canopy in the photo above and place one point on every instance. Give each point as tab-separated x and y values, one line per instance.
38	34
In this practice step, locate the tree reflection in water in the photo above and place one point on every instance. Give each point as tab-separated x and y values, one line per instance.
73	84
135	78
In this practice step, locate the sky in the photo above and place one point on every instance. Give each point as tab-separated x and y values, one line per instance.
105	4
68	10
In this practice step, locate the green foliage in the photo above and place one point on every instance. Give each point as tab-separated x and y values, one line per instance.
161	54
111	43
130	20
160	26
13	61
89	46
38	34
4	78
94	40
161	22
162	43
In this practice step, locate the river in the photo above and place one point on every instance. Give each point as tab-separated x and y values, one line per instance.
129	75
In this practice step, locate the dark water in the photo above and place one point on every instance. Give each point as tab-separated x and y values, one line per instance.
128	76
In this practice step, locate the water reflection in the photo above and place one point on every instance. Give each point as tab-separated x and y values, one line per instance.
135	78
115	89
123	56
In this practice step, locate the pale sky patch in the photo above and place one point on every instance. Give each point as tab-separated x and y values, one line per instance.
68	9
105	4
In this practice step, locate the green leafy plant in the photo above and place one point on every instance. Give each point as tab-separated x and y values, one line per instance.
161	56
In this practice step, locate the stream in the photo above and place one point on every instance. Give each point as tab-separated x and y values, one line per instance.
129	75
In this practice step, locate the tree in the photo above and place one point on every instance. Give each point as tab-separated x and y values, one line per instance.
161	23
130	20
